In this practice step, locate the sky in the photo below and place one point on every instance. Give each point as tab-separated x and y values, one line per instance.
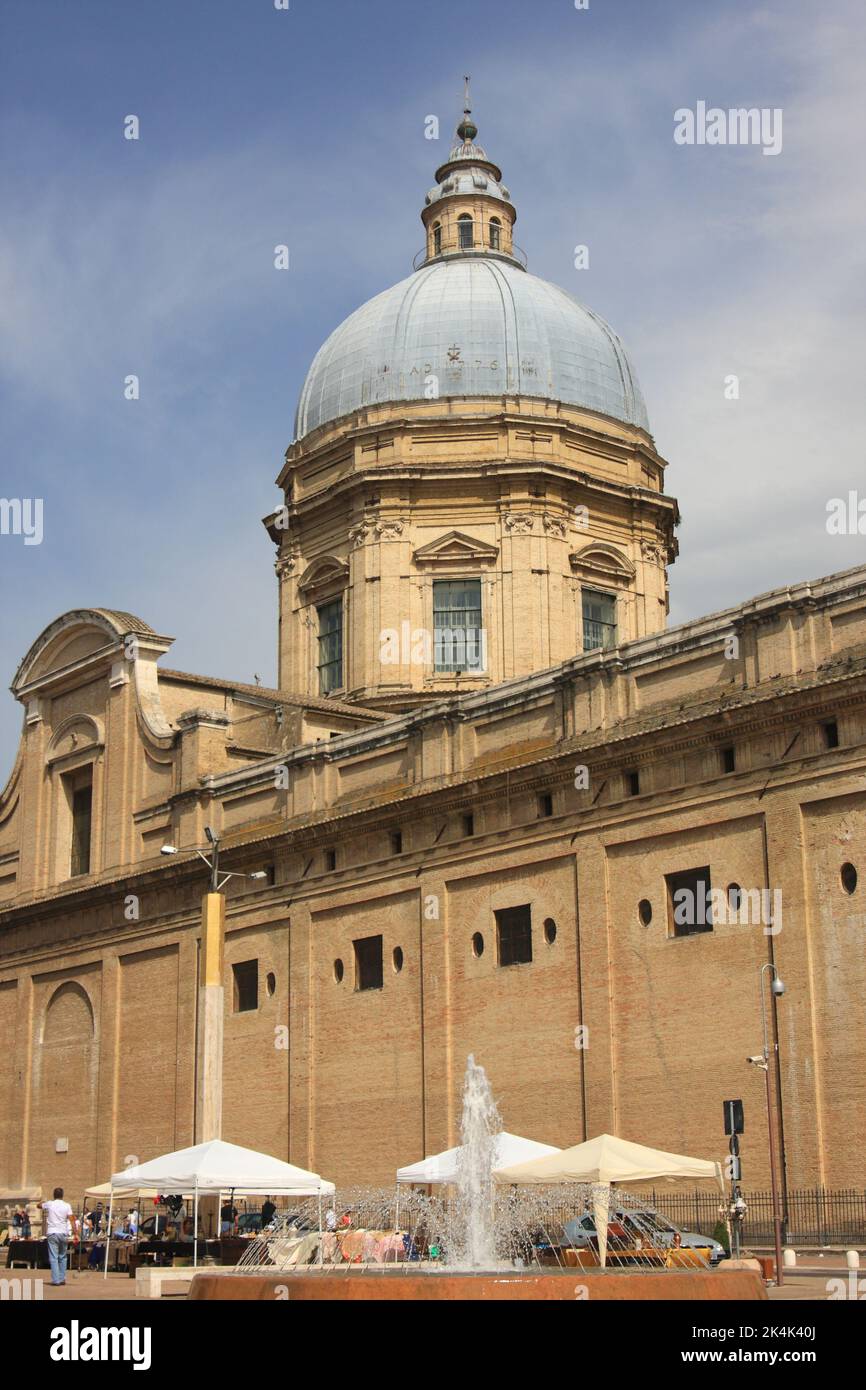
305	126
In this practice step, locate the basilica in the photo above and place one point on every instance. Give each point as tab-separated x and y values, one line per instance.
474	812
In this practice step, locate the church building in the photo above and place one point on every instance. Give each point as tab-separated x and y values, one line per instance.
495	804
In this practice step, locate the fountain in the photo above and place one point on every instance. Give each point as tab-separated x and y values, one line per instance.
473	1240
479	1241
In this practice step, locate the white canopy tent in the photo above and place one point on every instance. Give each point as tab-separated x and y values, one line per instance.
216	1167
104	1189
608	1159
442	1168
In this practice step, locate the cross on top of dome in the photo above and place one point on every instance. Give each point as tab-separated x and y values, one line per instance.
466	133
467	129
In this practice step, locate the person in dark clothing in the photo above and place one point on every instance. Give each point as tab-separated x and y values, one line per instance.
228	1217
269	1211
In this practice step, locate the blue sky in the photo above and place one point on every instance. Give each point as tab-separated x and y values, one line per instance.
260	126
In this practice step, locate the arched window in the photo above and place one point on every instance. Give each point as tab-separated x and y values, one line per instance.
437	238
495	234
464	227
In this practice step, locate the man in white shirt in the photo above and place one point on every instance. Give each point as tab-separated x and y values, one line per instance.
58	1228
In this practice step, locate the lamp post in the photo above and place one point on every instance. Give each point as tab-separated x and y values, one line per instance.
211	857
777	989
209	1039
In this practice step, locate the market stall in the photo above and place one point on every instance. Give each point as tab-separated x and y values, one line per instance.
442	1167
605	1160
216	1168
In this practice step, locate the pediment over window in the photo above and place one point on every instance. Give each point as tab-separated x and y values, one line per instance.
455	547
322	573
600	560
78	734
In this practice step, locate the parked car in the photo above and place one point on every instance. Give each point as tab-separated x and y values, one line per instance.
626	1227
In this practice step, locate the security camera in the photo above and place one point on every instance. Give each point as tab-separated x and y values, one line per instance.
212	839
756	1061
777	988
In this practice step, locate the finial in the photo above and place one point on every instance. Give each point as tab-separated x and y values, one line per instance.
467	129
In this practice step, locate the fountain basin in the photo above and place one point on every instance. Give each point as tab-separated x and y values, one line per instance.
562	1285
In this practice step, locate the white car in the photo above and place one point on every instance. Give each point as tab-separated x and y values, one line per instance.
649	1226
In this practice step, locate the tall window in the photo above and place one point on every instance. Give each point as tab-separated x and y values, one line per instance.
437	238
514	935
464	227
368	962
81	796
599	620
689	902
495	234
457	635
330	646
245	979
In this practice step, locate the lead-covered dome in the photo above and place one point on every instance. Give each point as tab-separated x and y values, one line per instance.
471	321
481	327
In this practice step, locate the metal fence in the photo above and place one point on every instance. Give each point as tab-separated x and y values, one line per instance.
814	1216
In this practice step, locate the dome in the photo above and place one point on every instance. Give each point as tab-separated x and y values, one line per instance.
482	326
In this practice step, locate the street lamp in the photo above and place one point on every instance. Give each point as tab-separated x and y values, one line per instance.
211	989
777	989
211	857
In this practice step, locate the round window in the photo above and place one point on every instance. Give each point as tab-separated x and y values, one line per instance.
848	876
398	959
549	931
645	911
338	971
478	944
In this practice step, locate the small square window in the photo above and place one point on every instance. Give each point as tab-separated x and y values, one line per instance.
545	805
514	935
729	759
689	904
368	962
246	986
830	730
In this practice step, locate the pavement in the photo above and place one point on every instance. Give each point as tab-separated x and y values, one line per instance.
86	1287
809	1281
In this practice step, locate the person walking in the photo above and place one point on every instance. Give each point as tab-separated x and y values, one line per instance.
58	1228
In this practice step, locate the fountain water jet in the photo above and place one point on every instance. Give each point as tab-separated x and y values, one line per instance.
474	1234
